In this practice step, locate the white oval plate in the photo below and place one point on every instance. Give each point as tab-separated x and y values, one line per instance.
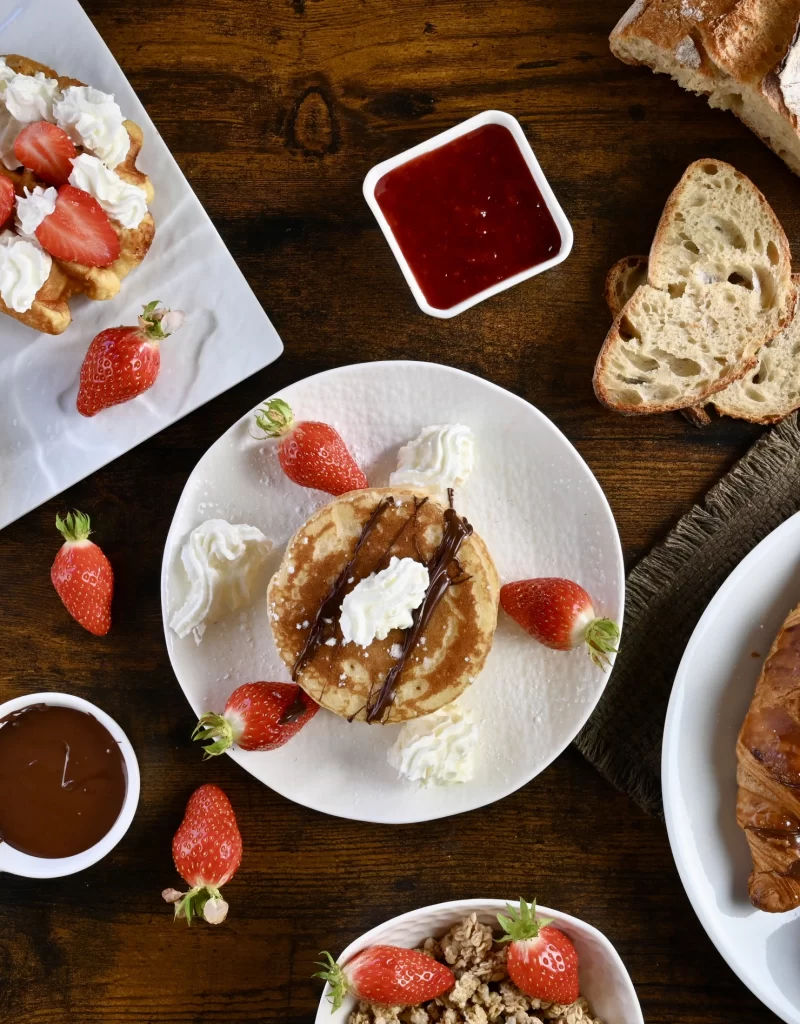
533	500
710	698
604	979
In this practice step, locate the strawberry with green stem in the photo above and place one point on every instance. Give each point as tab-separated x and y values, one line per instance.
207	850
311	454
386	976
123	362
255	718
82	575
560	615
542	961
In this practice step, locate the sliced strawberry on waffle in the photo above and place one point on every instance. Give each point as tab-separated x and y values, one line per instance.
7	198
46	150
79	230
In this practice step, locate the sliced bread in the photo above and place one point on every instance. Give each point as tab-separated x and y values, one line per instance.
767	393
743	55
622	281
771	390
719	286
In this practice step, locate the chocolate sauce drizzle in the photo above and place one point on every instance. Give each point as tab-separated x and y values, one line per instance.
456	531
330	609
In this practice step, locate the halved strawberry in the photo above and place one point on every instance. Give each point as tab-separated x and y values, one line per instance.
7	198
79	230
46	150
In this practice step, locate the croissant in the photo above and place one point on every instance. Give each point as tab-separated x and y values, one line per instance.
768	774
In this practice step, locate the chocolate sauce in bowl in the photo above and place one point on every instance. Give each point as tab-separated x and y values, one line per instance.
62	781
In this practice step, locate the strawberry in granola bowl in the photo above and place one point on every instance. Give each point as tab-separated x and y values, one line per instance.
490	961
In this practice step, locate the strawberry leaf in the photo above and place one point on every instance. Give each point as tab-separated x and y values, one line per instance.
334	975
521	924
216	729
275	418
75	526
602	636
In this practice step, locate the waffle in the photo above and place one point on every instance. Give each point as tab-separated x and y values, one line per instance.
50	313
457	640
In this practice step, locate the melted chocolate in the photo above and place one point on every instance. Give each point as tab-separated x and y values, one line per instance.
62	781
773	737
456	531
330	609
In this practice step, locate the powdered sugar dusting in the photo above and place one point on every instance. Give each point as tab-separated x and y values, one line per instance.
789	76
691	10
687	54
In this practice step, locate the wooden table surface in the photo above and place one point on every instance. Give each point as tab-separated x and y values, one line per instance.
275	110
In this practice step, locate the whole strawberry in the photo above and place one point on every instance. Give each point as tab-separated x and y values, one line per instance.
541	961
82	575
255	718
387	976
559	614
123	362
311	454
207	850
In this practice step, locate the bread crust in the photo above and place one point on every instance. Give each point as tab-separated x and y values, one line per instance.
622	281
717	44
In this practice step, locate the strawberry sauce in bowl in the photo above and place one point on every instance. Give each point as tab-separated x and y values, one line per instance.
468	213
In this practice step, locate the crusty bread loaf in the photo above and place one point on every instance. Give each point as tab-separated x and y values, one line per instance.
743	55
719	286
767	393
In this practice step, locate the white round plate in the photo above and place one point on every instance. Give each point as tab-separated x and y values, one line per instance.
531	497
710	698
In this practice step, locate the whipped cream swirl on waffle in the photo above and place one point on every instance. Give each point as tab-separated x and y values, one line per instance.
121	200
442	456
94	120
25	98
30	98
24	268
224	563
438	748
32	208
384	601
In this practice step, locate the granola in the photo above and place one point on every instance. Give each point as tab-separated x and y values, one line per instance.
483	993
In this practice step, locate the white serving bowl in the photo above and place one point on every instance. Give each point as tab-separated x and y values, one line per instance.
553	206
17	863
603	978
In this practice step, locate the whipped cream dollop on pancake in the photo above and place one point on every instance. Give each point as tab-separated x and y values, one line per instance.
384	601
351	539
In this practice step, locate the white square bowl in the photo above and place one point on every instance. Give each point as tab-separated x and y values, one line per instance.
604	980
487	117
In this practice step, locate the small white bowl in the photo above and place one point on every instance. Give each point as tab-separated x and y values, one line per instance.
603	978
17	863
487	117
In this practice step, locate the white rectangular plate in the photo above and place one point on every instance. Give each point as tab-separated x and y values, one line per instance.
45	444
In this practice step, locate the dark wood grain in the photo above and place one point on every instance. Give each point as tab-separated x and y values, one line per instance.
275	109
